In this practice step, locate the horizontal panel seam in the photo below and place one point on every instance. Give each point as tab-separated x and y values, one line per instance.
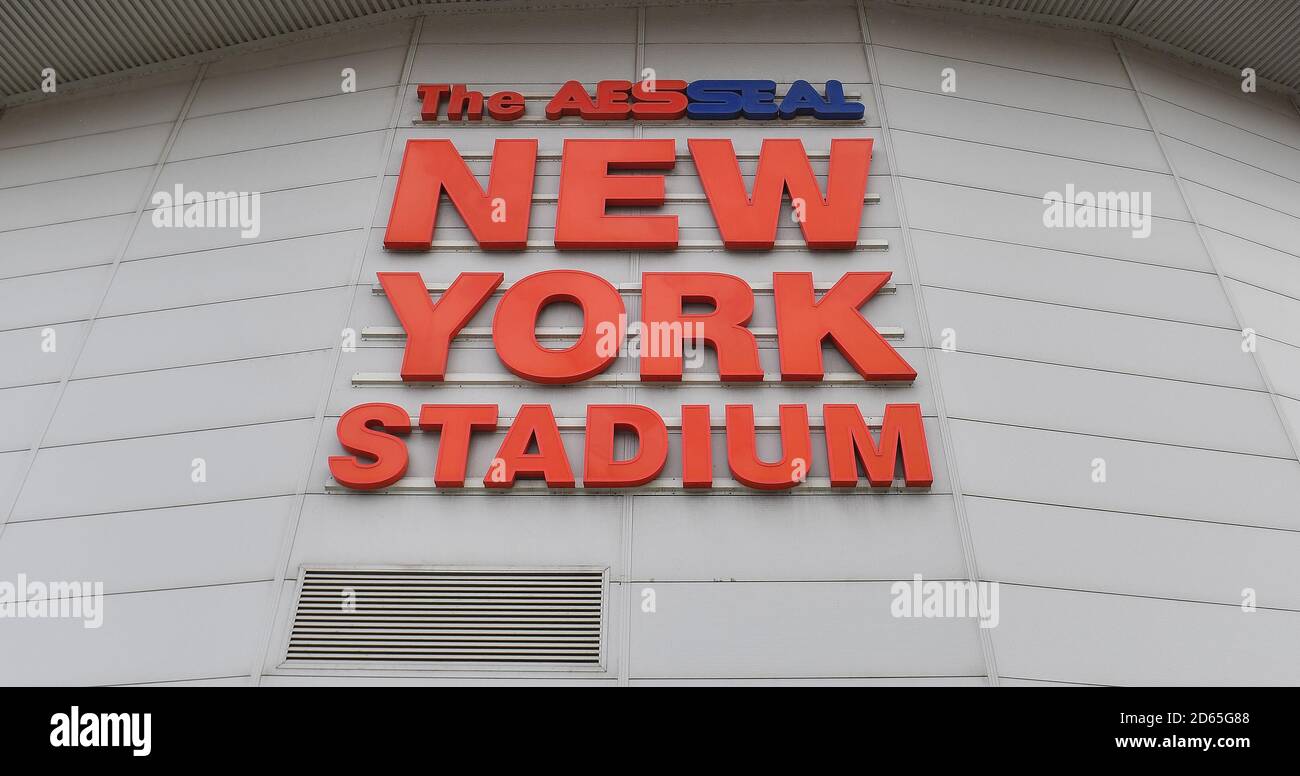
1034	151
1247	200
1002	67
178	432
76	176
145	509
180	160
1139	262
1052	303
1034	197
1221	121
1017	107
230	111
171	367
1126	513
1109	371
1221	155
69	138
1147	597
177	588
1204	225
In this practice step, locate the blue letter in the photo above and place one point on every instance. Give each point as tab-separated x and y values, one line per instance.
722	100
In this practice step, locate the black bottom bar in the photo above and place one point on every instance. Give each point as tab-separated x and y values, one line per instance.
441	726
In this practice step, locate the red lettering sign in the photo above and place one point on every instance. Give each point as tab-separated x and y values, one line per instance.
597	176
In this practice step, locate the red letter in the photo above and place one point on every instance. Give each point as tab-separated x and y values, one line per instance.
431	96
506	106
664	102
742	448
367	430
464	103
697	446
848	439
456	423
498	219
803	322
534	422
603	420
431	326
514	326
571	100
587	189
611	101
665	327
750	223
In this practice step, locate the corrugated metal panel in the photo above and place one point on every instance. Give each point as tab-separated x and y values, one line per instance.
1096	11
83	39
1263	34
440	616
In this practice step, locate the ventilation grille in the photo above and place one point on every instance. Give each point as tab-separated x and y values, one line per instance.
438	616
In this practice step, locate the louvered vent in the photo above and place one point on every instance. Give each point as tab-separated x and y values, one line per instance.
441	616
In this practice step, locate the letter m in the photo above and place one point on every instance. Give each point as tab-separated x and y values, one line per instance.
498	219
902	435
